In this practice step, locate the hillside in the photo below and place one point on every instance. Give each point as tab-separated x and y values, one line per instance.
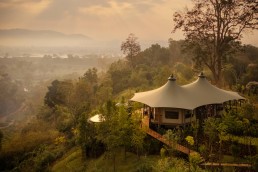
72	161
25	37
58	111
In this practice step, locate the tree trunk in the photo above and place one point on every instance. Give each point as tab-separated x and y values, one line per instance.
114	162
211	149
217	77
138	155
125	152
249	147
218	68
220	147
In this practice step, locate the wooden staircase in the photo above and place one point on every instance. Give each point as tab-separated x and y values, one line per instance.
154	134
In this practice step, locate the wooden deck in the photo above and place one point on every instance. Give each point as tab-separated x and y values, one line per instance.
145	124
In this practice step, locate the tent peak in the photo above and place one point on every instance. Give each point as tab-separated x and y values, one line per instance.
190	96
201	75
172	78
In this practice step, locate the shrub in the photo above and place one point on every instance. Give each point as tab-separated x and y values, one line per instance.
195	159
163	152
144	168
203	150
43	161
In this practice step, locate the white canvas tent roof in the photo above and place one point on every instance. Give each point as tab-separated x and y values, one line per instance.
190	96
96	118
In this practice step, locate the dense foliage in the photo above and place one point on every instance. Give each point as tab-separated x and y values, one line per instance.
59	121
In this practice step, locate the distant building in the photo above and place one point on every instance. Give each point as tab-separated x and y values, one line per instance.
175	105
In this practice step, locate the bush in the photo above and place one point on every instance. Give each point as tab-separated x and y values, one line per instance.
163	165
163	152
195	159
42	161
190	140
203	151
145	168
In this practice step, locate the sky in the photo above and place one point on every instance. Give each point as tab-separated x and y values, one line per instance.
99	19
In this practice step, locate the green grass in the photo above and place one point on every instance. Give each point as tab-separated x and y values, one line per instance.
132	163
72	162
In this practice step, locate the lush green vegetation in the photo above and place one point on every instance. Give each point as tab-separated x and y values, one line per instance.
61	123
132	163
53	132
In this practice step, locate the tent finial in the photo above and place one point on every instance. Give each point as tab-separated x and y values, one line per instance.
201	75
172	78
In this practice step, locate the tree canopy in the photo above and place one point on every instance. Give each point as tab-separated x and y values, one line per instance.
214	28
131	48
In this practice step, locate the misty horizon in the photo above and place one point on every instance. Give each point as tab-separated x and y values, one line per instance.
106	23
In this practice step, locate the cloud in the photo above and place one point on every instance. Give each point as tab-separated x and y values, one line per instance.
57	9
24	6
99	19
20	11
113	8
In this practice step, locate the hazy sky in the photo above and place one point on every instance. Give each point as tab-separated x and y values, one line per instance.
98	19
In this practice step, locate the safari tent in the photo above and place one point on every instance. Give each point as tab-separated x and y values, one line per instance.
172	104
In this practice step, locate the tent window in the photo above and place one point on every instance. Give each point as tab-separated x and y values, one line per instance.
171	114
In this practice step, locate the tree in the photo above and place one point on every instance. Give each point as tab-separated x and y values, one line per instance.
58	93
109	131
155	55
91	75
131	48
137	133
214	28
230	75
119	73
85	135
172	136
211	130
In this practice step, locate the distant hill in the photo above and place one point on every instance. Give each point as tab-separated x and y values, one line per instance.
26	37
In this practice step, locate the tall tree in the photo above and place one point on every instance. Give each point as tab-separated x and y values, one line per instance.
211	130
213	28
131	47
58	93
91	75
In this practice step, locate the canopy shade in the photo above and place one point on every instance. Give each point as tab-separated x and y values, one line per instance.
190	96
